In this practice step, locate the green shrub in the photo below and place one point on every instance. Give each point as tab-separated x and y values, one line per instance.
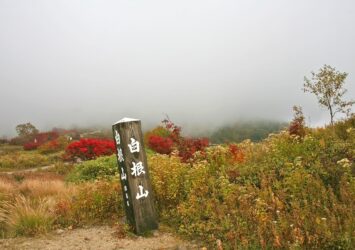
61	168
102	167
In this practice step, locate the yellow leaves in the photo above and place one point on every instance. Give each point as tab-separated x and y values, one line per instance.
322	143
275	199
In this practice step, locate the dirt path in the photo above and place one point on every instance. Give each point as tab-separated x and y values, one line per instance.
28	170
102	237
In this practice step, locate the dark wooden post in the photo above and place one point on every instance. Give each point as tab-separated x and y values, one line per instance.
134	174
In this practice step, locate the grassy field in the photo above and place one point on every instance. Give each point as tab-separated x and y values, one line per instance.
286	192
15	158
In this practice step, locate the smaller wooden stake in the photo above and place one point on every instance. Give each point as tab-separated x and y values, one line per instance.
134	174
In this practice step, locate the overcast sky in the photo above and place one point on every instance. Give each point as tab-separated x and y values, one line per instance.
65	63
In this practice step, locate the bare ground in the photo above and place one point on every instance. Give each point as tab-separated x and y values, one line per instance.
17	171
99	237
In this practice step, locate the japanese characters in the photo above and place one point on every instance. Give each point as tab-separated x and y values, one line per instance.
134	175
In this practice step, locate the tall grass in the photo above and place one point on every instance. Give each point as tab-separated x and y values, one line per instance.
26	216
42	188
36	205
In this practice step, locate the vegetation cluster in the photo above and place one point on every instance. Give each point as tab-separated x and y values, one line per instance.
168	139
288	191
295	189
87	149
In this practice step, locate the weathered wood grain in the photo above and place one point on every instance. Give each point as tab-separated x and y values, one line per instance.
140	211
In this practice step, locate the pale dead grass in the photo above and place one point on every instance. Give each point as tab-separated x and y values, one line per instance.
42	188
7	187
26	216
28	207
37	187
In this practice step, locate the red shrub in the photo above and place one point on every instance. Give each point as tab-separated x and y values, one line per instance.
188	146
40	139
31	146
87	149
297	125
54	146
175	131
173	139
160	144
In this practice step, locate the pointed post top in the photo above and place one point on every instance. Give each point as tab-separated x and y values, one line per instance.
126	120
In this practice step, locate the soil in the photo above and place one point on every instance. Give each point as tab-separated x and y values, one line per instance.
98	237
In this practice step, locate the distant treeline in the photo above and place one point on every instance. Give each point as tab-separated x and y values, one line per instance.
239	131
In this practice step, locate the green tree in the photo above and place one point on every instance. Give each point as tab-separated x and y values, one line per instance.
26	130
327	86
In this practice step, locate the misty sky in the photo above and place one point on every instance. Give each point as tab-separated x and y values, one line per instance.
65	63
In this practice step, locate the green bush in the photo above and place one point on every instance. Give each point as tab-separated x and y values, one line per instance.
102	167
61	168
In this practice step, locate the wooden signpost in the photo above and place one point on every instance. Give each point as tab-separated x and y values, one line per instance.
134	174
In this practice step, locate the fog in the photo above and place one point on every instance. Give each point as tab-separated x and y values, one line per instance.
204	63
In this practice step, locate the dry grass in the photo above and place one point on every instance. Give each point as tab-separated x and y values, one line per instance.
26	216
34	204
35	186
27	206
42	188
6	187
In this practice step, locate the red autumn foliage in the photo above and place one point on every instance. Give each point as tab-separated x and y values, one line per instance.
297	125
188	146
175	131
30	146
40	139
237	154
174	140
87	149
160	144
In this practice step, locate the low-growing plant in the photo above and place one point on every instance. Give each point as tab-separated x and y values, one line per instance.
23	160
41	188
160	144
87	149
27	217
41	138
285	192
102	167
54	145
94	202
62	168
170	138
168	176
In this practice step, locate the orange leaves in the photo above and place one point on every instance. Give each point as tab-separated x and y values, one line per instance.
237	155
